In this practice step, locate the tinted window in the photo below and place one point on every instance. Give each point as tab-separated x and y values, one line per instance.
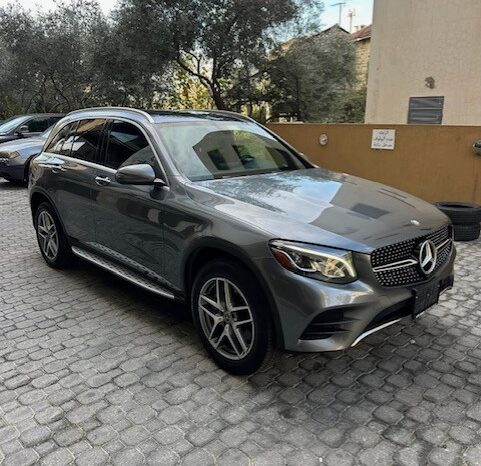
86	139
69	138
127	145
38	125
60	144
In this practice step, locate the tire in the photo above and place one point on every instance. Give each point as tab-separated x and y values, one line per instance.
57	254
246	295
466	232
461	213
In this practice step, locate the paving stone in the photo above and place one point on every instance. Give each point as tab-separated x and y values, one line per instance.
7	434
472	456
24	457
94	371
35	436
94	457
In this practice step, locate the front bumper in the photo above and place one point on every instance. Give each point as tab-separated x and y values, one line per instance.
12	169
317	316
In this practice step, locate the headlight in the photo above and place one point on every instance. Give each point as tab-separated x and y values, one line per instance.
326	264
12	155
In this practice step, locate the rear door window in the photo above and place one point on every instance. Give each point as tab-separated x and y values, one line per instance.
127	145
87	139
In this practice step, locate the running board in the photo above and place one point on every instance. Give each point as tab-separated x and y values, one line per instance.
122	272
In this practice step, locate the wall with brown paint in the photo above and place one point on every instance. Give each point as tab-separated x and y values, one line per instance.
432	162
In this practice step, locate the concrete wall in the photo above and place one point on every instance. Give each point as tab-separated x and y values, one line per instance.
416	39
433	162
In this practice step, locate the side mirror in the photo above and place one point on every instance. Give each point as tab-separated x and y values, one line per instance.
141	174
23	130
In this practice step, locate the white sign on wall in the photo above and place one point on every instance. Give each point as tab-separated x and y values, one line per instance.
383	139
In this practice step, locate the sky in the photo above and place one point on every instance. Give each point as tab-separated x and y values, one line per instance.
363	9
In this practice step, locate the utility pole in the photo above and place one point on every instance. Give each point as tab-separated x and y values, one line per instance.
340	5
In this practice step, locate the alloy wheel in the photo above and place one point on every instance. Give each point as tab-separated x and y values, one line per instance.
226	318
48	235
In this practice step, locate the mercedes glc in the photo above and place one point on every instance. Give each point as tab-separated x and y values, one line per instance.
213	209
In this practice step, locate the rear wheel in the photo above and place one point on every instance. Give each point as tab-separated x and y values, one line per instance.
230	313
51	238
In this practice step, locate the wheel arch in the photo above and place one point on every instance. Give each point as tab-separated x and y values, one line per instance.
37	197
210	249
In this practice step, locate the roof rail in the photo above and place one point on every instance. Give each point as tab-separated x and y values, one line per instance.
129	109
228	113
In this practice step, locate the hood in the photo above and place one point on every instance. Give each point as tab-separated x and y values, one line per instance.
23	146
322	207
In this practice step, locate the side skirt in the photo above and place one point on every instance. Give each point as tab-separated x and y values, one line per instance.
122	272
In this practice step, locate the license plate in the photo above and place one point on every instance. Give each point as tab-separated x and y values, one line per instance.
425	297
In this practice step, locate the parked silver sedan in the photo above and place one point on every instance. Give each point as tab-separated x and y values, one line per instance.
15	156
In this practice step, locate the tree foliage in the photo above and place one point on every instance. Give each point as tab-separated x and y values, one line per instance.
225	54
310	77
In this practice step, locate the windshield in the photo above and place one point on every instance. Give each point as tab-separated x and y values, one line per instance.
9	125
204	150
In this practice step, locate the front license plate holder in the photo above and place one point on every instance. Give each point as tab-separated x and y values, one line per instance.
425	297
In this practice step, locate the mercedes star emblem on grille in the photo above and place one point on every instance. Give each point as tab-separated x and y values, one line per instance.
428	255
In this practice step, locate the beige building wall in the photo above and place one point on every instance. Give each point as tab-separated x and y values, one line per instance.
362	60
416	39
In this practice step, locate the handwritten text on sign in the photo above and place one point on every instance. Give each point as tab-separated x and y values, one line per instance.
383	139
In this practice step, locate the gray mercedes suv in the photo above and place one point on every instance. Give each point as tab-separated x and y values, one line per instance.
213	209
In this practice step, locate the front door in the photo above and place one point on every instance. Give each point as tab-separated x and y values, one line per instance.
128	218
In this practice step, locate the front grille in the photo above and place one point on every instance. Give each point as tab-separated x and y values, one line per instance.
403	259
4	160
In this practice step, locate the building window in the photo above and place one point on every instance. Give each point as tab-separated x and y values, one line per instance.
426	110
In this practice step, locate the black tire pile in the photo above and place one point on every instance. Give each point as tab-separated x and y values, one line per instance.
466	218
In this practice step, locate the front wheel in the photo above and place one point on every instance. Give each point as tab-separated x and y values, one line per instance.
231	315
51	238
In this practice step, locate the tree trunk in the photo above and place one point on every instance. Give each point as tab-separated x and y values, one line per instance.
218	99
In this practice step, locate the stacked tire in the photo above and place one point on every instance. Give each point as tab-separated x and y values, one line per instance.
466	218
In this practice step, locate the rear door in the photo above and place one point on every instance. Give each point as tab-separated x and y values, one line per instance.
128	217
74	153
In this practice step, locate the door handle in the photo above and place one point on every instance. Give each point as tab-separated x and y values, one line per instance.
57	169
102	180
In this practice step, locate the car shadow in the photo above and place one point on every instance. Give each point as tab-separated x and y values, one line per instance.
11	185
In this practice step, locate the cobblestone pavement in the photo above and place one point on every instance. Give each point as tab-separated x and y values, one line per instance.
95	371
